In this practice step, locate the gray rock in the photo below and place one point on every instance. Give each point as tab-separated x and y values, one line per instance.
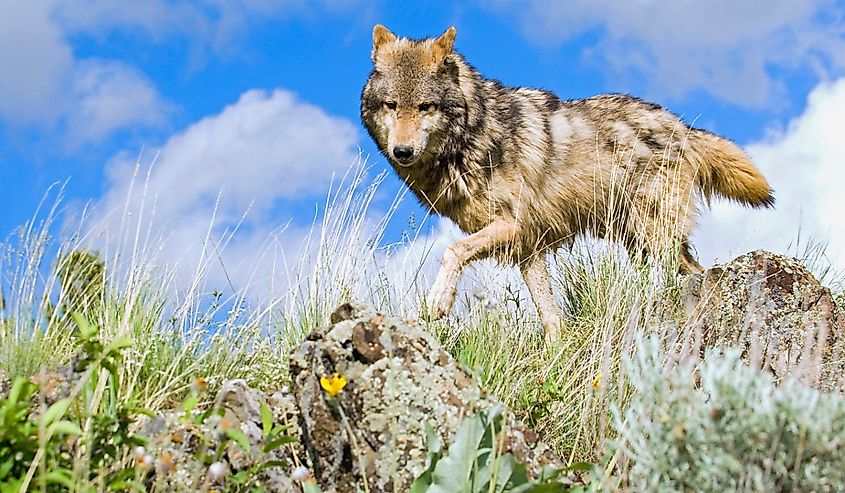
776	311
398	379
175	445
56	384
5	384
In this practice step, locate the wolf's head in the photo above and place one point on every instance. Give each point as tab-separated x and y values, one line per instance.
412	95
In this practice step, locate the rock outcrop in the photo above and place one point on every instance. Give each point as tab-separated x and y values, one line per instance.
371	430
776	311
180	446
398	379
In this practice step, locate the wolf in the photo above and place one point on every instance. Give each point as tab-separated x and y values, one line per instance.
523	172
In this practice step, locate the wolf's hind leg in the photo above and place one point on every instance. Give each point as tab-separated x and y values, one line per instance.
475	246
535	272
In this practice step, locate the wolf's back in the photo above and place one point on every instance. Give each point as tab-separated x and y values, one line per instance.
725	170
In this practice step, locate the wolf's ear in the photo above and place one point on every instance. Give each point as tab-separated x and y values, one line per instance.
381	36
443	45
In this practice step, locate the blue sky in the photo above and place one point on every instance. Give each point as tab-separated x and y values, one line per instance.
253	104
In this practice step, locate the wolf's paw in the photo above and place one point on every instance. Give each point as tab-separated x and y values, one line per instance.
552	332
553	325
440	299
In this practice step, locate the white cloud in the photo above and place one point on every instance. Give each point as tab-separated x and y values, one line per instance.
35	62
204	23
230	170
805	165
723	47
43	83
109	95
153	17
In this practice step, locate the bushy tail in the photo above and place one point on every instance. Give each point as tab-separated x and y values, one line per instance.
725	170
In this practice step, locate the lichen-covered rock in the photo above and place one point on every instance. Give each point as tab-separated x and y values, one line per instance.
5	384
398	379
776	311
56	383
178	446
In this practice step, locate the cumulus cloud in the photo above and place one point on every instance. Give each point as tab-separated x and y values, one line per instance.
237	169
35	60
726	48
110	95
805	163
43	83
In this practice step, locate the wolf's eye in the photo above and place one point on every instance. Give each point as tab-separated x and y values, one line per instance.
428	107
391	105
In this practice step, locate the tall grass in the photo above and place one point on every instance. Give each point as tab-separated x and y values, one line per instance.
182	325
183	328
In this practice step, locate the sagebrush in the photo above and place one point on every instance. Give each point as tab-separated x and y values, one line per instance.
724	426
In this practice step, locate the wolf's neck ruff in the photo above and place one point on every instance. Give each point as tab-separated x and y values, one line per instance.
523	172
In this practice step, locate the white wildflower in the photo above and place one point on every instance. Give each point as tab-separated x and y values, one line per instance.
138	453
217	471
300	474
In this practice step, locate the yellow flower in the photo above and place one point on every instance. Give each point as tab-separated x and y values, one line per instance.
597	381
199	385
165	463
333	385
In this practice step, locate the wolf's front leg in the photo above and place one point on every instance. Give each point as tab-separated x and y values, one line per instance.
445	287
475	246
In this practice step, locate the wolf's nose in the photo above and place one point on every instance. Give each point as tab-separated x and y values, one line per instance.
403	153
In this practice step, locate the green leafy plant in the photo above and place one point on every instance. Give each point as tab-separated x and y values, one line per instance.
95	352
34	445
213	434
26	439
108	439
272	438
544	396
474	463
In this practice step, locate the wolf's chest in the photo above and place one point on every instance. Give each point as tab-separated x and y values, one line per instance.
470	210
449	193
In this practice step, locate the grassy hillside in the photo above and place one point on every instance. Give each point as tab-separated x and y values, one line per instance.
179	329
